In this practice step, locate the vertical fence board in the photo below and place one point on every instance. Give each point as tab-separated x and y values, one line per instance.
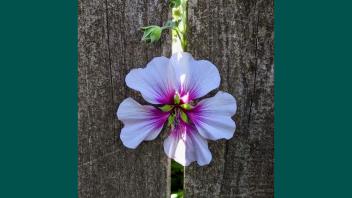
109	47
237	35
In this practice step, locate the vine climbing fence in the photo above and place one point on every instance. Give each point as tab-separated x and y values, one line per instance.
237	36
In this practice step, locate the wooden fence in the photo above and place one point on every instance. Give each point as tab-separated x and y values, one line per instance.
237	36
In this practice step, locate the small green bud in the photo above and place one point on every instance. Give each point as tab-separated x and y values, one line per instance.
166	108
184	117
170	120
151	33
177	99
177	13
186	106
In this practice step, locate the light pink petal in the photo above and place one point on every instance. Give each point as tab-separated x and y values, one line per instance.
155	82
185	145
195	78
141	122
212	116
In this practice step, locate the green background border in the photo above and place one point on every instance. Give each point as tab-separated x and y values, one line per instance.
38	59
313	98
38	81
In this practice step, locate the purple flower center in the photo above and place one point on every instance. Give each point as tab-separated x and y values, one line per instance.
178	111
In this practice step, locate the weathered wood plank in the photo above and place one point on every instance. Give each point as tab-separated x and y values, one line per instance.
237	35
109	46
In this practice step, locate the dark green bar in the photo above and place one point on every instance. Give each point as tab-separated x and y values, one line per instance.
38	101
313	98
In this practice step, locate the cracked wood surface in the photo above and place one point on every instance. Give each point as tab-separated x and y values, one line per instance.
109	47
237	36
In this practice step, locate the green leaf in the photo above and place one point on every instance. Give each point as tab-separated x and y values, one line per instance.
166	108
178	194
174	3
184	117
186	106
170	120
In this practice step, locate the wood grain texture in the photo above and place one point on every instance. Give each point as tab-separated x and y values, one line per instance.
237	35
109	47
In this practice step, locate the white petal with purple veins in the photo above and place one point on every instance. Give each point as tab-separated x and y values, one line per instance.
212	116
185	145
195	78
141	122
156	82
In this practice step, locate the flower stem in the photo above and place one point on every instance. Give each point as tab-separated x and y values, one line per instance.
179	38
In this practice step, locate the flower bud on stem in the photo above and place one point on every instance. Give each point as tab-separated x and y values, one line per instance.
178	26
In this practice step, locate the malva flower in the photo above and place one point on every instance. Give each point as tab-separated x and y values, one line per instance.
172	87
